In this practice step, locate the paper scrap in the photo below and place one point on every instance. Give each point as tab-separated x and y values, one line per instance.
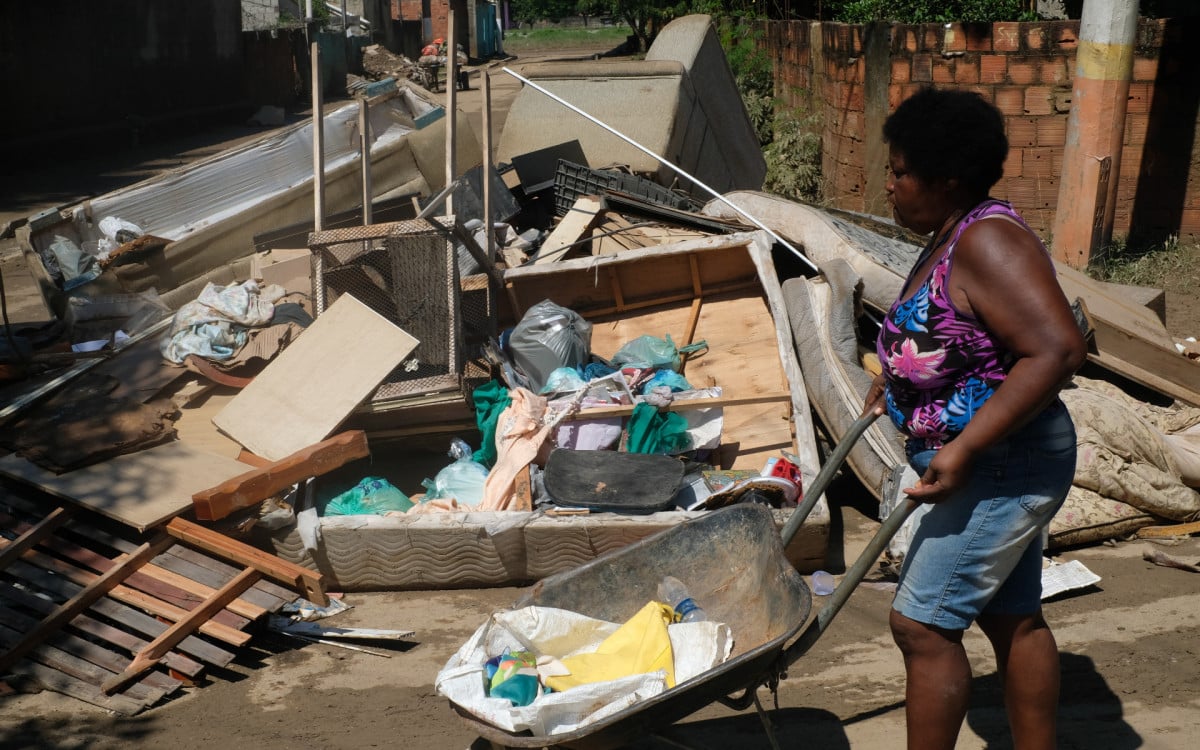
1058	578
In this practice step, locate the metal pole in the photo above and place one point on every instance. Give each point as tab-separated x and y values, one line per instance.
662	160
318	125
364	134
489	247
451	105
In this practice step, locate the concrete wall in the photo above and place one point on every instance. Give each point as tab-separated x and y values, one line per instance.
88	68
1027	71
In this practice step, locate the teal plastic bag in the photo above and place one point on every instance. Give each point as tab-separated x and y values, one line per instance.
648	351
371	496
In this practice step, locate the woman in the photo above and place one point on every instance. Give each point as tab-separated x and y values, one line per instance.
974	353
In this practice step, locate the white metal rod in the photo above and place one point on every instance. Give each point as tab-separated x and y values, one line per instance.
662	160
318	124
451	104
364	134
489	247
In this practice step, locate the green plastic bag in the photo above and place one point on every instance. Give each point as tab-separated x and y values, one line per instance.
371	496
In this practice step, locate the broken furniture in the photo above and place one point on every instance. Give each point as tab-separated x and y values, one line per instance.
121	621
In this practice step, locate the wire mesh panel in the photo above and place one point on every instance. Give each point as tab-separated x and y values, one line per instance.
406	272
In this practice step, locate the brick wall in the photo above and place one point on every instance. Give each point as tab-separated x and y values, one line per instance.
1027	71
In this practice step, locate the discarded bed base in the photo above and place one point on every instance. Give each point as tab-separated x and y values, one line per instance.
84	608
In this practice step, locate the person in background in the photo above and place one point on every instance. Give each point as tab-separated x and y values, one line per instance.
974	353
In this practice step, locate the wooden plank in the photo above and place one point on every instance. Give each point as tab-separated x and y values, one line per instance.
33	534
89	594
96	629
156	649
120	613
570	229
1145	361
1163	532
312	386
309	581
94	668
140	489
213	573
150	579
721	402
257	485
54	680
135	598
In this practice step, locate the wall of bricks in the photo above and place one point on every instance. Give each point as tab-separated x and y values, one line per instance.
1027	71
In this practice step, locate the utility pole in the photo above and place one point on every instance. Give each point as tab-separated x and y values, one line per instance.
1087	190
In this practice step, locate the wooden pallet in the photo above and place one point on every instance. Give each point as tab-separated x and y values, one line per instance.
122	623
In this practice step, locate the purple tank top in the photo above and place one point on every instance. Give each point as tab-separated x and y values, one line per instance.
940	364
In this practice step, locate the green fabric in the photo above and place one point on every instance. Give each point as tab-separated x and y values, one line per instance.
490	400
651	431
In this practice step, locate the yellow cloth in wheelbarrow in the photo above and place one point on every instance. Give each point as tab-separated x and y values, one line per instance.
639	646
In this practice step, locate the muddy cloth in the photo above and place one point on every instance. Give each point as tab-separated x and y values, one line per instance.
1127	451
84	425
264	343
215	325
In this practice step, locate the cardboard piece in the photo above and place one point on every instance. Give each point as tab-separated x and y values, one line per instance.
302	396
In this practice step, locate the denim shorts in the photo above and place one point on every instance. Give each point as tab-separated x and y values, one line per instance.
980	550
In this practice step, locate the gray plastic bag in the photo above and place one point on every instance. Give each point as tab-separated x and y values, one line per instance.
548	337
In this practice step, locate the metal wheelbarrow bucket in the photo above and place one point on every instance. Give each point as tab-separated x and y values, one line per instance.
733	564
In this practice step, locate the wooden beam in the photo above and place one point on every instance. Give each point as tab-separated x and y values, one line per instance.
258	484
310	582
606	412
33	535
160	646
1162	532
84	599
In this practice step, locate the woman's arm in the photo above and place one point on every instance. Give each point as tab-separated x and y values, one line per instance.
1002	276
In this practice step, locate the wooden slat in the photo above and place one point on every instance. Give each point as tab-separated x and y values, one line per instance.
155	650
186	597
120	638
34	534
310	582
605	412
213	573
120	613
258	484
135	598
1161	532
90	593
54	680
87	650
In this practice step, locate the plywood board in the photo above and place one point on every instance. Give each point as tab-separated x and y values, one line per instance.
140	489
302	396
742	358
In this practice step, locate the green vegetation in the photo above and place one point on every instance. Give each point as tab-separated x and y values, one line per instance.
517	41
794	157
1153	266
930	11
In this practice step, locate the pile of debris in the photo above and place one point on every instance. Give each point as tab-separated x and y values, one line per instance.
604	352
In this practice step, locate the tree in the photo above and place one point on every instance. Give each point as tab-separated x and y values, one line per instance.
593	8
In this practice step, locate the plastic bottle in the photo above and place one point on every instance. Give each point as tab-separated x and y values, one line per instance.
822	583
672	591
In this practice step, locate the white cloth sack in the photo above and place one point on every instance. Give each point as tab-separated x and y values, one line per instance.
697	647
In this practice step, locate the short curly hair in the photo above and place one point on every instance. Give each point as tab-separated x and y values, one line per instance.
947	133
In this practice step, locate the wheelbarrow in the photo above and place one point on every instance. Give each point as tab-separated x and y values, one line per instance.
733	564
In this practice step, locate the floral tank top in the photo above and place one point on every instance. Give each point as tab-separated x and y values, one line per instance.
940	364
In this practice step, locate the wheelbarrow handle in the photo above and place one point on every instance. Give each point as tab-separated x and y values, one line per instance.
850	581
814	491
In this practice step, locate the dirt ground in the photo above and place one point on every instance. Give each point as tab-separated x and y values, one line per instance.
1130	645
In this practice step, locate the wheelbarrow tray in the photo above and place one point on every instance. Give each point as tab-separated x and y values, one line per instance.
733	564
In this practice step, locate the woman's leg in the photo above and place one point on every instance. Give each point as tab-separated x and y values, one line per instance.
1026	649
938	682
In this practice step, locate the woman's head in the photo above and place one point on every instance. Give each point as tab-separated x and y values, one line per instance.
950	135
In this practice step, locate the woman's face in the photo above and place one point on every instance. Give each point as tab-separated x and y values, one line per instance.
916	204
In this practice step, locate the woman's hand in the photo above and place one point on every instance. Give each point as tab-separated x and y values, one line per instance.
947	472
874	401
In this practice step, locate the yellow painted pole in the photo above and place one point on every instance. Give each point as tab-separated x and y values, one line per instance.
1095	130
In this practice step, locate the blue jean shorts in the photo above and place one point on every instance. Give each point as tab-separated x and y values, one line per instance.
980	550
